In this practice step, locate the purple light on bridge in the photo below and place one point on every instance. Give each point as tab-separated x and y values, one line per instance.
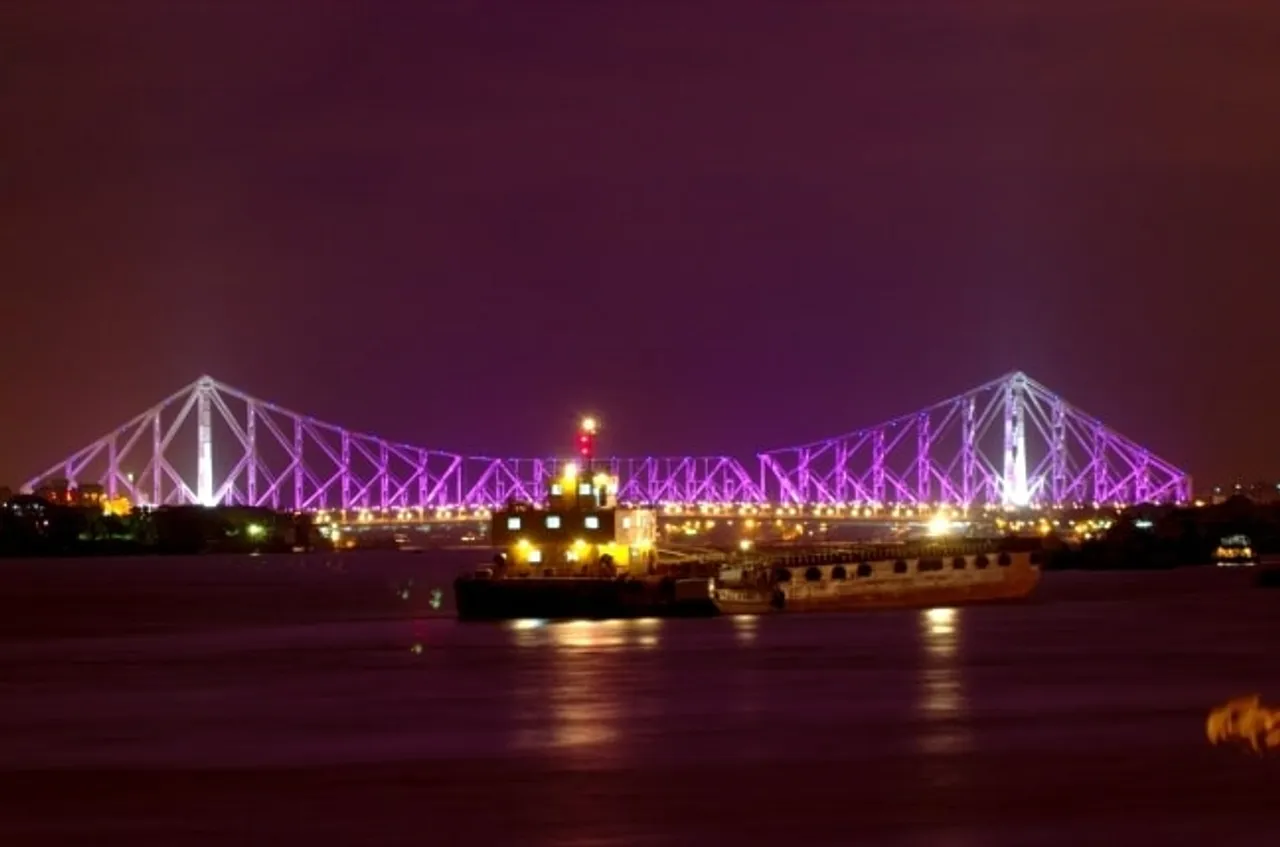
1010	442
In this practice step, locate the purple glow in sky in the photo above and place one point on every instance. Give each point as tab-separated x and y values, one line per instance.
722	226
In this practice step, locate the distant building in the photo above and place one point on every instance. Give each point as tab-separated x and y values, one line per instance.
27	508
1255	492
56	491
89	495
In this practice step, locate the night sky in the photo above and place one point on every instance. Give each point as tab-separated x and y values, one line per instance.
722	226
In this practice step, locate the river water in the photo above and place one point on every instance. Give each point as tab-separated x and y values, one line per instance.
325	701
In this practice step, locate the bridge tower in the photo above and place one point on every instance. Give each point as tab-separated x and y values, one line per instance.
1015	491
204	441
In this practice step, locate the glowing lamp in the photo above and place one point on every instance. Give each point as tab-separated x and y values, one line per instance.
939	525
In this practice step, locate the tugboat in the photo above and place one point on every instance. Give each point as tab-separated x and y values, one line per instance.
578	556
889	576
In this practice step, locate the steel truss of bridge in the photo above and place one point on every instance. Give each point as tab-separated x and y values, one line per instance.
1008	443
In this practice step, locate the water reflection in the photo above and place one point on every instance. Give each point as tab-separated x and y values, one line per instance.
570	689
576	635
744	628
942	702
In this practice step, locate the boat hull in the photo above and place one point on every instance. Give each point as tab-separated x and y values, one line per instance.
816	589
570	598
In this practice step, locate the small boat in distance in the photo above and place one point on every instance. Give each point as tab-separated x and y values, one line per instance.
1235	551
887	577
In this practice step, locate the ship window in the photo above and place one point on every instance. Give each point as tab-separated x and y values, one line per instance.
1004	560
584	489
513	523
591	521
928	565
864	570
812	575
958	563
535	556
553	521
838	572
900	566
557	489
981	562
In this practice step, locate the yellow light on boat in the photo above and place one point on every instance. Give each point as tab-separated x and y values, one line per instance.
744	544
570	471
589	425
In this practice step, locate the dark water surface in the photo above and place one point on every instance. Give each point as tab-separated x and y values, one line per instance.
319	701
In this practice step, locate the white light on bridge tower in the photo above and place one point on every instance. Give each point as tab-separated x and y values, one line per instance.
204	440
1015	443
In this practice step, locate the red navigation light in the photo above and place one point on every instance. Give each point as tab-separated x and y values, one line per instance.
587	438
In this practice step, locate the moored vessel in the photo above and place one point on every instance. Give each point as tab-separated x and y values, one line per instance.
892	576
578	555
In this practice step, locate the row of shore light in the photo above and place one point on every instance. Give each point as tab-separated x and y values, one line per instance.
922	511
940	524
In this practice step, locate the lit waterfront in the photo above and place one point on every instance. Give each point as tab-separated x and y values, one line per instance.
181	701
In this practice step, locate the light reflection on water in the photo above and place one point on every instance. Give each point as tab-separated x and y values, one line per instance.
577	709
942	702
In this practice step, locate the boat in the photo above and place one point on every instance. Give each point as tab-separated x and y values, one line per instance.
579	555
1235	551
891	576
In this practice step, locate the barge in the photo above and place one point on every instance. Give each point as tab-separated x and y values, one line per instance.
888	576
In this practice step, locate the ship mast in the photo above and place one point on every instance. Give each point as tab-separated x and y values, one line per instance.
587	430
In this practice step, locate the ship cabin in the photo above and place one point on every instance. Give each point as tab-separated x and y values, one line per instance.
580	532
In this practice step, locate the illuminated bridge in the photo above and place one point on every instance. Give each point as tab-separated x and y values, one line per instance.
1008	443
